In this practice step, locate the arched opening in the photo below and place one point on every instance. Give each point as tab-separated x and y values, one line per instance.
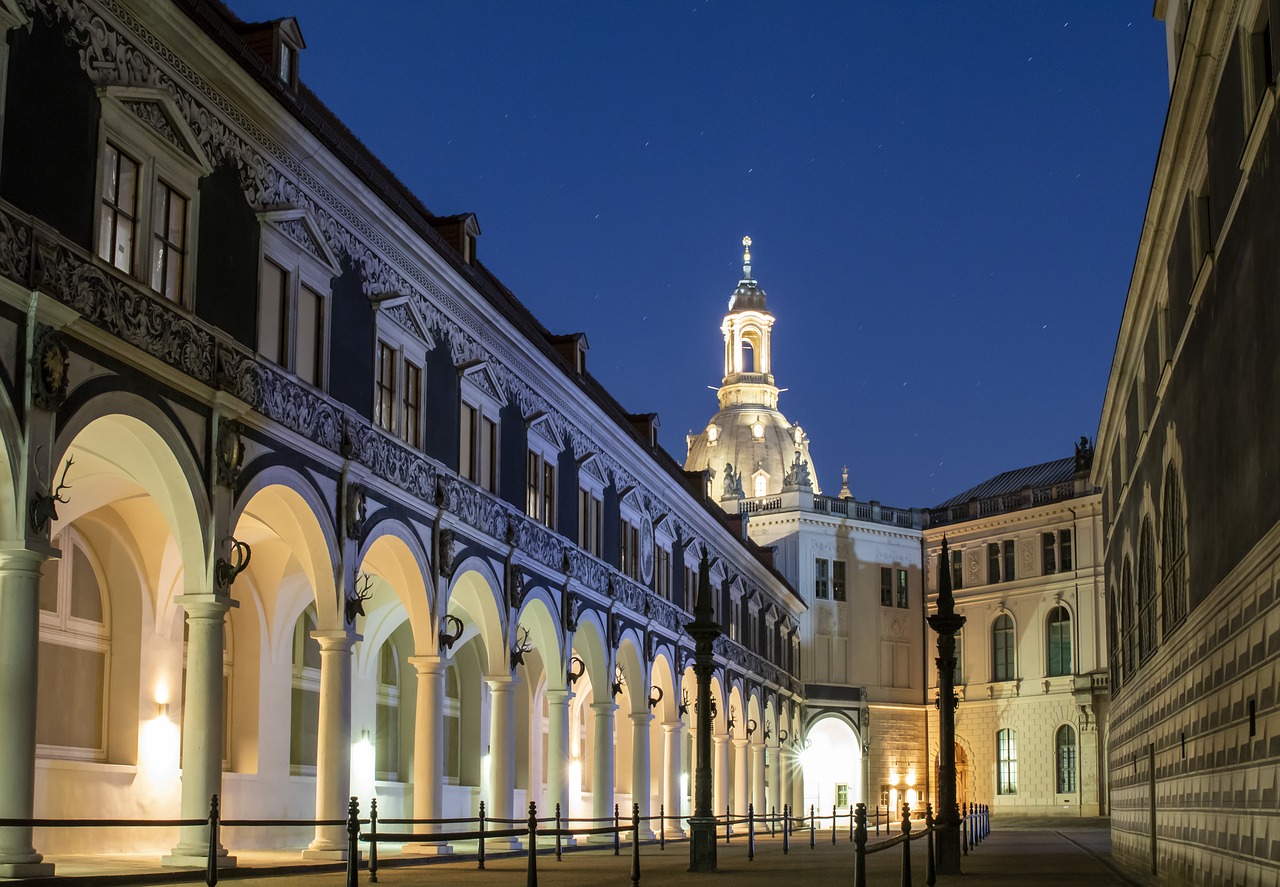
832	766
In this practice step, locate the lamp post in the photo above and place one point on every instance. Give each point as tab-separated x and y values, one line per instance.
704	631
946	622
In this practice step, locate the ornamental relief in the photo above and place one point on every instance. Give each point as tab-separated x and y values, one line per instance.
15	247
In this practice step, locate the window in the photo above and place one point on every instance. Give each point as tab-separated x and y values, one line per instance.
74	655
957	676
842	794
903	599
760	485
384	398
478	448
540	487
838	591
1173	556
149	172
1055	550
735	620
411	404
452	726
1260	72
590	517
1127	634
304	721
1058	638
1065	742
293	303
1201	229
886	586
662	572
957	570
1006	763
387	731
1146	592
1000	566
1002	660
629	548
821	579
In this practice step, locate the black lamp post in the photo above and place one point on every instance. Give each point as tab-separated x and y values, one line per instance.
946	622
704	631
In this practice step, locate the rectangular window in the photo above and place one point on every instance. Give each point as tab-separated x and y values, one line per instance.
1008	560
169	248
842	794
411	426
468	432
957	571
821	579
310	335
993	563
1201	229
385	387
1064	551
540	489
662	572
488	456
1006	763
628	549
589	522
904	599
1049	552
886	587
1262	72
119	219
838	591
273	312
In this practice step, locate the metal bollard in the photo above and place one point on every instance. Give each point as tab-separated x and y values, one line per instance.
480	845
662	826
906	845
617	842
813	826
860	846
373	840
786	829
531	876
773	814
833	825
211	872
728	817
877	819
353	846
930	868
751	832
851	823
635	843
558	859
973	811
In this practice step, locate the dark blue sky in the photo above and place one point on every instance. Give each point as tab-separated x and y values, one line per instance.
945	199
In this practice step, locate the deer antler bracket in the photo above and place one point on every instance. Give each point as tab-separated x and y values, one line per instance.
44	508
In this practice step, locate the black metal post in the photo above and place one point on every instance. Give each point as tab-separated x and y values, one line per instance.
946	622
930	867
786	829
617	842
877	819
635	843
773	814
851	824
813	827
728	818
480	846
211	871
860	846
906	845
964	831
531	876
373	841
704	631
353	843
558	827
662	826
751	832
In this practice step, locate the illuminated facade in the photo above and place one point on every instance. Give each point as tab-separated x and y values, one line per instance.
856	564
1031	677
1187	460
337	515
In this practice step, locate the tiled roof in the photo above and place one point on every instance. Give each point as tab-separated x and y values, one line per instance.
1046	474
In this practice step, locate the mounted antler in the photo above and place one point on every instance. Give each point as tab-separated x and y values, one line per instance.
782	736
450	631
619	681
684	702
45	508
751	726
225	571
733	717
573	674
522	646
355	602
654	700
768	734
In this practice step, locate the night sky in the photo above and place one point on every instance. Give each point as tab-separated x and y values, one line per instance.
944	199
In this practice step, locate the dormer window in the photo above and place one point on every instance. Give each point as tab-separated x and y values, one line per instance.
757	429
278	43
713	433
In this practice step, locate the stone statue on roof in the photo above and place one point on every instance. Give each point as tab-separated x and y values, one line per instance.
732	482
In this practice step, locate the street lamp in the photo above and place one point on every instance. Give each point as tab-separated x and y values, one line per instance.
946	623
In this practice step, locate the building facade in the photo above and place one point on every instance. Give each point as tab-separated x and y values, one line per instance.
299	502
856	564
1186	458
1025	559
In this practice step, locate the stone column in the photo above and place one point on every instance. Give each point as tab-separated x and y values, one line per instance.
19	655
602	768
741	777
428	747
757	779
502	754
720	790
201	725
785	763
640	767
774	757
333	745
672	797
558	755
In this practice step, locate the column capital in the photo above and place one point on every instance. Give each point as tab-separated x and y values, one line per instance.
603	708
205	606
501	683
758	746
429	663
19	556
672	726
739	742
640	718
559	696
335	641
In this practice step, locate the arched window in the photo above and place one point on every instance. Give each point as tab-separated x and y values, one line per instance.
1173	556
304	720
1002	659
387	732
760	485
1006	762
1127	639
74	649
1058	641
1113	638
1065	743
1146	592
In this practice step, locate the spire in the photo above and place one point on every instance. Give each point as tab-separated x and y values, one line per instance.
946	598
748	296
746	258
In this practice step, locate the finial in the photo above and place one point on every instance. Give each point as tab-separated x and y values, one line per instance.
746	258
844	483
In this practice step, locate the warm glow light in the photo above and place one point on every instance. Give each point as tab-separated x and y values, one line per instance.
893	776
158	744
911	777
362	768
575	787
162	692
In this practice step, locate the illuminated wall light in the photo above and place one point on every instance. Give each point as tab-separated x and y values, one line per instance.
363	767
911	777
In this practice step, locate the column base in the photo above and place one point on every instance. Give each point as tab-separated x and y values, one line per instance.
422	849
327	855
502	844
598	839
26	870
673	833
177	860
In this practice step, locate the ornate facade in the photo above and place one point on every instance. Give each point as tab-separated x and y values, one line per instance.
298	501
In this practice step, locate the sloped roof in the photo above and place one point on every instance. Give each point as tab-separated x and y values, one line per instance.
1046	474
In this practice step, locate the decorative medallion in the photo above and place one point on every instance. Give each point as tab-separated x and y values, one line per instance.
230	452
49	360
646	550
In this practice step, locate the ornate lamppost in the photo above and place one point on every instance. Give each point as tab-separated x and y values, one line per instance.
704	631
946	622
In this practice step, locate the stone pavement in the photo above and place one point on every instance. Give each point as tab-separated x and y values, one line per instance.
1065	854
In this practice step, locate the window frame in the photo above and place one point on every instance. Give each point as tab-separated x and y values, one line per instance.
902	588
1006	761
1065	765
839	580
1063	624
302	269
821	579
1006	638
487	409
547	453
1174	604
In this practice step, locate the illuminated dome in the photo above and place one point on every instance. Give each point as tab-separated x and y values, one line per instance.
749	444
